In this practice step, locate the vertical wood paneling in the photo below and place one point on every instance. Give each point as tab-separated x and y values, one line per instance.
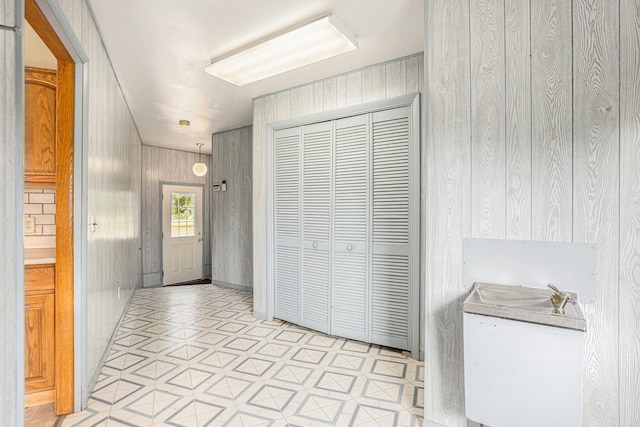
374	83
448	203
596	192
11	153
330	94
487	118
73	11
318	96
341	92
282	103
413	75
231	218
114	195
354	88
293	103
551	120
305	100
423	203
629	264
217	141
259	201
517	120
395	78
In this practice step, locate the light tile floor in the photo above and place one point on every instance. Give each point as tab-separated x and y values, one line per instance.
195	356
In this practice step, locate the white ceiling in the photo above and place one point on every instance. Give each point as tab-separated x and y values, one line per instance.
159	49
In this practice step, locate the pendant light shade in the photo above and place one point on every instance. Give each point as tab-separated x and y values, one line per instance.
199	168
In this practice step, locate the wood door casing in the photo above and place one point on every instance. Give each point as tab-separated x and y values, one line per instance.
64	150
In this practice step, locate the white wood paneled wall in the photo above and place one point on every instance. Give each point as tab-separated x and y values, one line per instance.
400	77
11	287
170	166
114	190
533	132
231	219
629	227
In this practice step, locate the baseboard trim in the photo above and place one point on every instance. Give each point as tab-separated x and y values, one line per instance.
259	315
232	285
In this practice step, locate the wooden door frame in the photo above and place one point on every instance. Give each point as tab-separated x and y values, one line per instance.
64	276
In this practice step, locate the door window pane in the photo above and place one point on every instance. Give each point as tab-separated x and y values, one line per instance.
183	214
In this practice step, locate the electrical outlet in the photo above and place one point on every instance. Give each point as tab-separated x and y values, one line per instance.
29	225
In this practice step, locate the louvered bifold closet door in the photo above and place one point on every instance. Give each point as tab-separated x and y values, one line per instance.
316	225
351	217
391	287
287	161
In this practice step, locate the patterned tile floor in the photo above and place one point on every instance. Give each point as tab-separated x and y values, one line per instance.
195	356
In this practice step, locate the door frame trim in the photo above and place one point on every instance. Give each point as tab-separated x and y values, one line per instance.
71	254
204	216
413	102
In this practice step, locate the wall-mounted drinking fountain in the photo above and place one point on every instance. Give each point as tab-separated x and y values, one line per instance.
524	331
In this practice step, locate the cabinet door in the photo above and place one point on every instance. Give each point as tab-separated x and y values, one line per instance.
350	292
316	225
40	126
391	287
39	343
287	224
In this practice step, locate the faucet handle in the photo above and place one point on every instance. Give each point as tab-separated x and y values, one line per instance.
558	299
554	289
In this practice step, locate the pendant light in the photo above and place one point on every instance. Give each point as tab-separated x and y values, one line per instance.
199	168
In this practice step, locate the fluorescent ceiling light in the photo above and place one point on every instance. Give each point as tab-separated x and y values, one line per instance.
318	40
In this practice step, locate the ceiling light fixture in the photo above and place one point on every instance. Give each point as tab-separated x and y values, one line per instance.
313	42
184	123
199	168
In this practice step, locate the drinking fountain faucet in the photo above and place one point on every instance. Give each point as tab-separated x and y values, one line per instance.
558	299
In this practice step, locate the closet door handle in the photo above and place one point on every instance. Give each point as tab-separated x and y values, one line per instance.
349	247
314	244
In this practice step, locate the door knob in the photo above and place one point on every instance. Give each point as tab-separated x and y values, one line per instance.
349	247
314	244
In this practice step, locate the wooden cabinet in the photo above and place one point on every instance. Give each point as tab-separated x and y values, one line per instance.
39	331
40	126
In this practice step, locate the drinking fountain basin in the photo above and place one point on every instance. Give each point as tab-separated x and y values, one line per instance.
525	304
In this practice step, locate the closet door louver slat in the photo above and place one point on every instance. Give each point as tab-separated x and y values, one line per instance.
350	283
316	220
287	224
390	204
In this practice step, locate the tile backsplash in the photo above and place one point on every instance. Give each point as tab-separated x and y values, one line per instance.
40	204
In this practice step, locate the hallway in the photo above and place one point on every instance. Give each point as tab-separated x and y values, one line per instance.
195	356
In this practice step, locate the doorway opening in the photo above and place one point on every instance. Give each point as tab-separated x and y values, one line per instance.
62	180
182	233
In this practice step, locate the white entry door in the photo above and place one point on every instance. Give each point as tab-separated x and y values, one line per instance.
182	233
